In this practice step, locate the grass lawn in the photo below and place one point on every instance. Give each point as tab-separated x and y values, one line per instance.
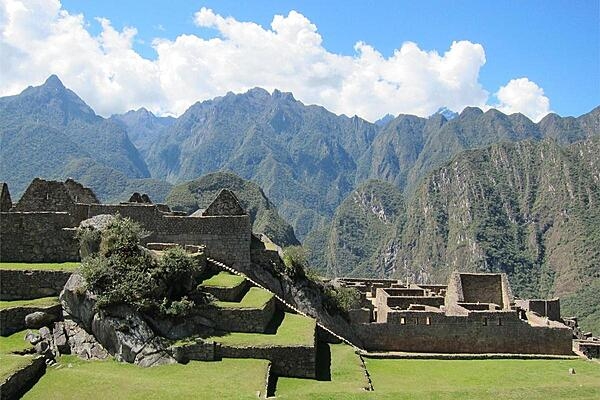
484	379
79	379
347	379
42	302
66	266
10	362
295	330
224	280
255	298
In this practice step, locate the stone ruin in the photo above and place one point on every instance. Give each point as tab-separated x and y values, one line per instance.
473	313
41	225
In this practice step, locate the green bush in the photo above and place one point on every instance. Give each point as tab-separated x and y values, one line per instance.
89	241
341	299
295	259
123	272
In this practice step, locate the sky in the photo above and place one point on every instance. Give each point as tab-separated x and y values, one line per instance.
365	58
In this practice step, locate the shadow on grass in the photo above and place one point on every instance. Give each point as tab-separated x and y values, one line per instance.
323	367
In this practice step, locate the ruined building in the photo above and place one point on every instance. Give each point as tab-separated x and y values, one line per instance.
41	226
472	313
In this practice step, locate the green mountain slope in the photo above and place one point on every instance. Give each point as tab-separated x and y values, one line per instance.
304	157
47	127
361	226
530	209
199	193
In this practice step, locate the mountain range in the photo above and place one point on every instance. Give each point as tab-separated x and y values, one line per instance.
406	196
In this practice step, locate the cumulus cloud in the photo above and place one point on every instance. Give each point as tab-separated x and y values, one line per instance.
39	38
524	96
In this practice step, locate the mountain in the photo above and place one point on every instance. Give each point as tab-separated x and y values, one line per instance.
304	157
383	121
361	226
199	193
143	127
46	130
446	113
528	208
410	147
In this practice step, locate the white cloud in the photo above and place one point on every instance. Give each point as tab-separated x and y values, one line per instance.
524	96
39	38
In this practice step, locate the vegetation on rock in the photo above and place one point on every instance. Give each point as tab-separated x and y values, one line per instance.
123	272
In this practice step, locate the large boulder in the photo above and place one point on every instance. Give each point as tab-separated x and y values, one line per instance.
38	319
77	301
129	338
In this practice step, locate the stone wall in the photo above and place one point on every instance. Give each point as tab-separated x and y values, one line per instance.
197	350
37	237
80	193
479	332
292	361
591	349
13	319
5	200
482	288
25	284
234	319
18	383
42	195
544	308
227	293
227	238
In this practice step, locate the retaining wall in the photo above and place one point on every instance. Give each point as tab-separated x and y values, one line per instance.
292	361
240	319
17	384
31	284
480	332
13	319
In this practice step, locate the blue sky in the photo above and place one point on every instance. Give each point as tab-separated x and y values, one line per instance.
555	45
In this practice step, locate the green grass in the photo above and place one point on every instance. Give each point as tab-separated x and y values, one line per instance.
79	379
448	379
255	298
224	280
295	330
66	266
10	362
14	342
484	379
41	302
347	379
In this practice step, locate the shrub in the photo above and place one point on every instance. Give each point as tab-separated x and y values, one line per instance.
295	260
123	272
341	299
89	241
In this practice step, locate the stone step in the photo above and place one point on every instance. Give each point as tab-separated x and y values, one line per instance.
291	349
252	314
225	286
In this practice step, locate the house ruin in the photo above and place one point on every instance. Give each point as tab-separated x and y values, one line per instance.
472	313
